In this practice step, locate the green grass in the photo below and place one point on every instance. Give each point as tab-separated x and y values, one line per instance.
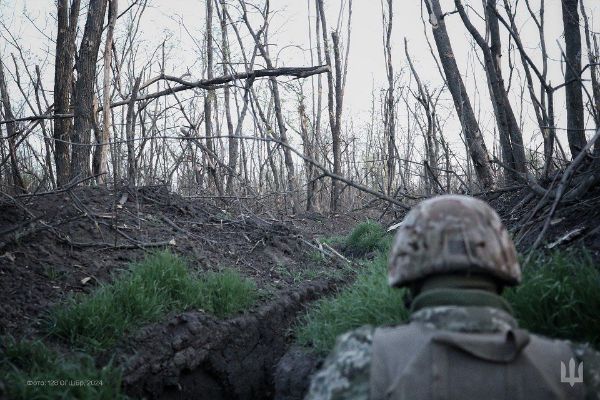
31	371
369	300
225	293
146	292
560	296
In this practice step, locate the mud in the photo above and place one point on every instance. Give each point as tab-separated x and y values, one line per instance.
293	372
195	356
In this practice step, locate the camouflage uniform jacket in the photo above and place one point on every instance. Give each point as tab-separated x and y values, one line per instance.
345	373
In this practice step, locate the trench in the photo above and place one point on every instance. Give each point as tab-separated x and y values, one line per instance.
196	356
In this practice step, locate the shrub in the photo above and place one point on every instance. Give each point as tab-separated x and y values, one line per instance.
31	371
559	296
150	289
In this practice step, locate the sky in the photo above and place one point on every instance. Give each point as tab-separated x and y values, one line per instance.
32	22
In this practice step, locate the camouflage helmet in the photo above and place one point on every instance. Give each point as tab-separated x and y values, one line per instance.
448	234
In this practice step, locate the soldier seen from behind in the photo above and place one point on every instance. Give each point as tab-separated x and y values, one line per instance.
454	256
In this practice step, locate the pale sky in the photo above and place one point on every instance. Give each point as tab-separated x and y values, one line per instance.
31	20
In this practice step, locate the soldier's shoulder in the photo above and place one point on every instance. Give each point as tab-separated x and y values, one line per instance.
346	371
585	353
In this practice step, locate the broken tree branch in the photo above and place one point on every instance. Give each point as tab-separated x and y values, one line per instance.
297	72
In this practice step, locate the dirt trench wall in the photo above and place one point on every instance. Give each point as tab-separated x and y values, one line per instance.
196	356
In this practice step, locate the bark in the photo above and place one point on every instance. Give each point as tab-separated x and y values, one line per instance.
101	151
84	88
63	80
462	103
573	90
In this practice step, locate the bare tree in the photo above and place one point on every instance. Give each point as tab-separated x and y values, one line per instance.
335	96
84	88
11	130
99	164
593	59
462	103
389	116
264	52
573	89
63	81
511	139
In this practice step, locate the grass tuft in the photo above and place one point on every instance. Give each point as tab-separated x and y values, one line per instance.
226	293
150	289
367	237
560	296
31	371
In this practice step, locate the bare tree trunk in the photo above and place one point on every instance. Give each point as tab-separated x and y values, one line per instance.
573	89
543	106
130	134
593	62
63	80
389	116
336	133
462	103
11	130
429	140
233	144
514	135
308	147
101	151
84	88
335	98
209	97
319	109
508	129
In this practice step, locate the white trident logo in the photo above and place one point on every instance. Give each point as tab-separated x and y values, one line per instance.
574	376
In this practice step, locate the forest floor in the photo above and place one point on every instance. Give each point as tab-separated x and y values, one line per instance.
55	245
